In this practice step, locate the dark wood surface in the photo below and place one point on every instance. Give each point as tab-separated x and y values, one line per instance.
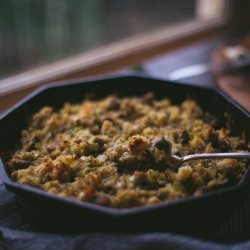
237	85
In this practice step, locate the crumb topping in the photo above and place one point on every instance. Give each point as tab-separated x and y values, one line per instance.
116	151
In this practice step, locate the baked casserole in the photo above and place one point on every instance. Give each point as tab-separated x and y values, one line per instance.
116	151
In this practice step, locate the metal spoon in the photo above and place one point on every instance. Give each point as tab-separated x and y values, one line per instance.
177	161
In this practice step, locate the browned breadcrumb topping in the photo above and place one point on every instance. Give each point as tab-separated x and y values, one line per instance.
115	151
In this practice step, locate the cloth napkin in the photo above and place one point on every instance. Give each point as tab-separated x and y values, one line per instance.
16	233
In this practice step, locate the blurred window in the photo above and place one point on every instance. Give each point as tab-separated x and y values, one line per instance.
38	32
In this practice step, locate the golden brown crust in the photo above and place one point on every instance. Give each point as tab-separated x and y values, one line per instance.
115	151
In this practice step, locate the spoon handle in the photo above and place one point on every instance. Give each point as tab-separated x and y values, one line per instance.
237	155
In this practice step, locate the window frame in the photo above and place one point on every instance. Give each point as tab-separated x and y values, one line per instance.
127	51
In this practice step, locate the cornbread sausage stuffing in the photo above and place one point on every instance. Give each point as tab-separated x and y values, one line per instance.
115	151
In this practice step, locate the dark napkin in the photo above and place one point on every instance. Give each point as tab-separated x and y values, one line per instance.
17	233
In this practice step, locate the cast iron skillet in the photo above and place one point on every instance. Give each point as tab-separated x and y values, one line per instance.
193	216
